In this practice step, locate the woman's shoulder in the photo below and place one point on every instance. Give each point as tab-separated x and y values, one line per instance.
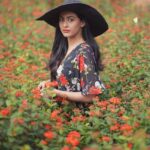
85	48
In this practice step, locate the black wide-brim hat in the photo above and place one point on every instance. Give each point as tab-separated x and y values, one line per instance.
96	21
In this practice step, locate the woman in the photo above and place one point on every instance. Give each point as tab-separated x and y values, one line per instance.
75	59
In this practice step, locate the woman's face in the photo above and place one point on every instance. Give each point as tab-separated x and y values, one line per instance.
70	24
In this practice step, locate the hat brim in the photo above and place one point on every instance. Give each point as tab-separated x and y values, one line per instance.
96	21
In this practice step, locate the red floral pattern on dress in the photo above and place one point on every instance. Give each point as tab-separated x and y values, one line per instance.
82	83
77	72
81	63
63	80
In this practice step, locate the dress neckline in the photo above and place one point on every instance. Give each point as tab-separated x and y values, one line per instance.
65	58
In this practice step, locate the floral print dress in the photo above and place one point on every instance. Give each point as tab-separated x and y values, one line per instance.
77	73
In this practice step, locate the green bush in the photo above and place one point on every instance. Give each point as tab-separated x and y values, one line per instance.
117	119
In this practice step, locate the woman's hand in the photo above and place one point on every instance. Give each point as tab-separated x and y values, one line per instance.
48	93
42	85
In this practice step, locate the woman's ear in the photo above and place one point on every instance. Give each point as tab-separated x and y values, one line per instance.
82	24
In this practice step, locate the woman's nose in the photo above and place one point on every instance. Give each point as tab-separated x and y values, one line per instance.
65	24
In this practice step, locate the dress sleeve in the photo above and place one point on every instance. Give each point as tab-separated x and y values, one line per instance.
90	82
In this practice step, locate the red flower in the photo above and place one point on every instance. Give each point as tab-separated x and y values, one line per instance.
94	90
36	93
21	59
106	138
102	104
1	56
36	13
107	86
115	127
19	121
32	123
44	142
25	45
47	126
54	114
63	80
5	112
60	99
49	134
73	138
1	42
24	103
78	118
65	148
125	127
81	63
115	100
130	145
51	84
19	94
136	124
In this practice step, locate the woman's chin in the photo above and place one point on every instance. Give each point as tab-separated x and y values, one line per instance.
66	35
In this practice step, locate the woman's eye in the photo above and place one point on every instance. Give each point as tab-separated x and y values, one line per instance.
70	19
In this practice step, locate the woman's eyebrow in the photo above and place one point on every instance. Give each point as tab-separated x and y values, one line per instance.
67	16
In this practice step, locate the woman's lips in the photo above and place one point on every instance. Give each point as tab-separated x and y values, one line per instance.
66	30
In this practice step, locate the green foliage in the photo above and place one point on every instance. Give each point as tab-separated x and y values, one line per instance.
117	119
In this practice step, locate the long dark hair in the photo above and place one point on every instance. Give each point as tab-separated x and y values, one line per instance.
60	46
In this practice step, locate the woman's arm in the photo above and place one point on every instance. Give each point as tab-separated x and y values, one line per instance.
73	96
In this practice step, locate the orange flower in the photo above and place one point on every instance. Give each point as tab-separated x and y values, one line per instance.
49	134
73	138
115	100
94	90
63	80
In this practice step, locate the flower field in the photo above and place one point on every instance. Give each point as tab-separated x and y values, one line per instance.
118	119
